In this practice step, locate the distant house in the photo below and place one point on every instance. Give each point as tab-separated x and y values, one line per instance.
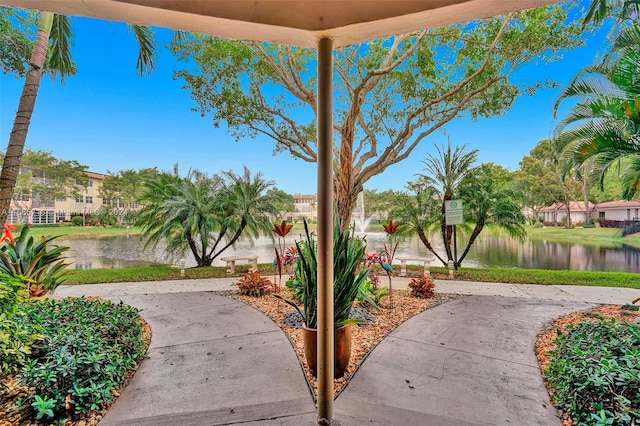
557	213
619	210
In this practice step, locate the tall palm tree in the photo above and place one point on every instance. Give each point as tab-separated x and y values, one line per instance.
445	171
53	39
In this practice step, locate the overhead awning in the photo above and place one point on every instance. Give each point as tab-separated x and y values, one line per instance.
295	22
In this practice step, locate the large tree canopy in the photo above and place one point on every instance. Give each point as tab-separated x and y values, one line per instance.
390	94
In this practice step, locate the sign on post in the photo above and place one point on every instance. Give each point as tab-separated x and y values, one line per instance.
453	212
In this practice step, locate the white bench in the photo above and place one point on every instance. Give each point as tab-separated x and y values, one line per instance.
403	264
231	262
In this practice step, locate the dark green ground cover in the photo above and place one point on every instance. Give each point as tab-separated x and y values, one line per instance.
595	373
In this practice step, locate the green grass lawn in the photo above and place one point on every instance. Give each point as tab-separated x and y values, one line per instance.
65	231
605	237
500	275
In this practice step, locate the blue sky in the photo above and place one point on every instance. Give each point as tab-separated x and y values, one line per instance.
109	119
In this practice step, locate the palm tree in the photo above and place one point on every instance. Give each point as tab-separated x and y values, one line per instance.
603	127
444	173
248	204
418	213
203	214
621	10
488	202
55	30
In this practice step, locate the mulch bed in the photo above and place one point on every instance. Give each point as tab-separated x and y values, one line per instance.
364	337
545	342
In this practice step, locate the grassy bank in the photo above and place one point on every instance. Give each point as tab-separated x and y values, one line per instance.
65	231
604	237
503	275
548	277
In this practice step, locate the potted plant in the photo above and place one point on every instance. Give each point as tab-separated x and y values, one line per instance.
348	252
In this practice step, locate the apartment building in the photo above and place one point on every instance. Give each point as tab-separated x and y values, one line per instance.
26	208
304	206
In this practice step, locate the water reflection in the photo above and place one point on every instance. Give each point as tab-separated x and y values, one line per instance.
489	250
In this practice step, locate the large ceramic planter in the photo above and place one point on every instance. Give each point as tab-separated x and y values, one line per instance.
342	349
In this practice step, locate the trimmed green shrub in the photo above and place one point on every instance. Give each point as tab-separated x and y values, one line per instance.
595	373
16	337
77	221
86	351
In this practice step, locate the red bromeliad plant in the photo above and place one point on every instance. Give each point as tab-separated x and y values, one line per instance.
282	229
7	235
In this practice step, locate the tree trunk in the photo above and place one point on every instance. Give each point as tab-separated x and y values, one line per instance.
447	231
427	244
345	199
18	138
585	197
476	231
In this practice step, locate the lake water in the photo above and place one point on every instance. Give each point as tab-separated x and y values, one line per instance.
489	250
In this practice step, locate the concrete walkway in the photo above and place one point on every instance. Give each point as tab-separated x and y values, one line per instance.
214	360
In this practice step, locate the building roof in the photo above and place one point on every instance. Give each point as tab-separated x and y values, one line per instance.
573	206
95	175
621	204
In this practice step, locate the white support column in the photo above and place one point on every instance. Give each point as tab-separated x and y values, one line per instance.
325	232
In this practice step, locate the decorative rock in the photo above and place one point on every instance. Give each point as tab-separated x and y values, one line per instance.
636	321
294	319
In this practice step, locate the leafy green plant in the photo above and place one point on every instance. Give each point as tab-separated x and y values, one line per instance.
16	337
42	269
370	295
348	252
86	351
595	373
422	287
12	292
254	284
77	221
43	406
297	289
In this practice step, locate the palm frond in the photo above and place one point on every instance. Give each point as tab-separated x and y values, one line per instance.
147	53
59	51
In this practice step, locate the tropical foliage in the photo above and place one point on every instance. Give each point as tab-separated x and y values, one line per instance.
41	268
393	93
594	373
487	199
204	214
80	353
348	277
603	127
254	284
